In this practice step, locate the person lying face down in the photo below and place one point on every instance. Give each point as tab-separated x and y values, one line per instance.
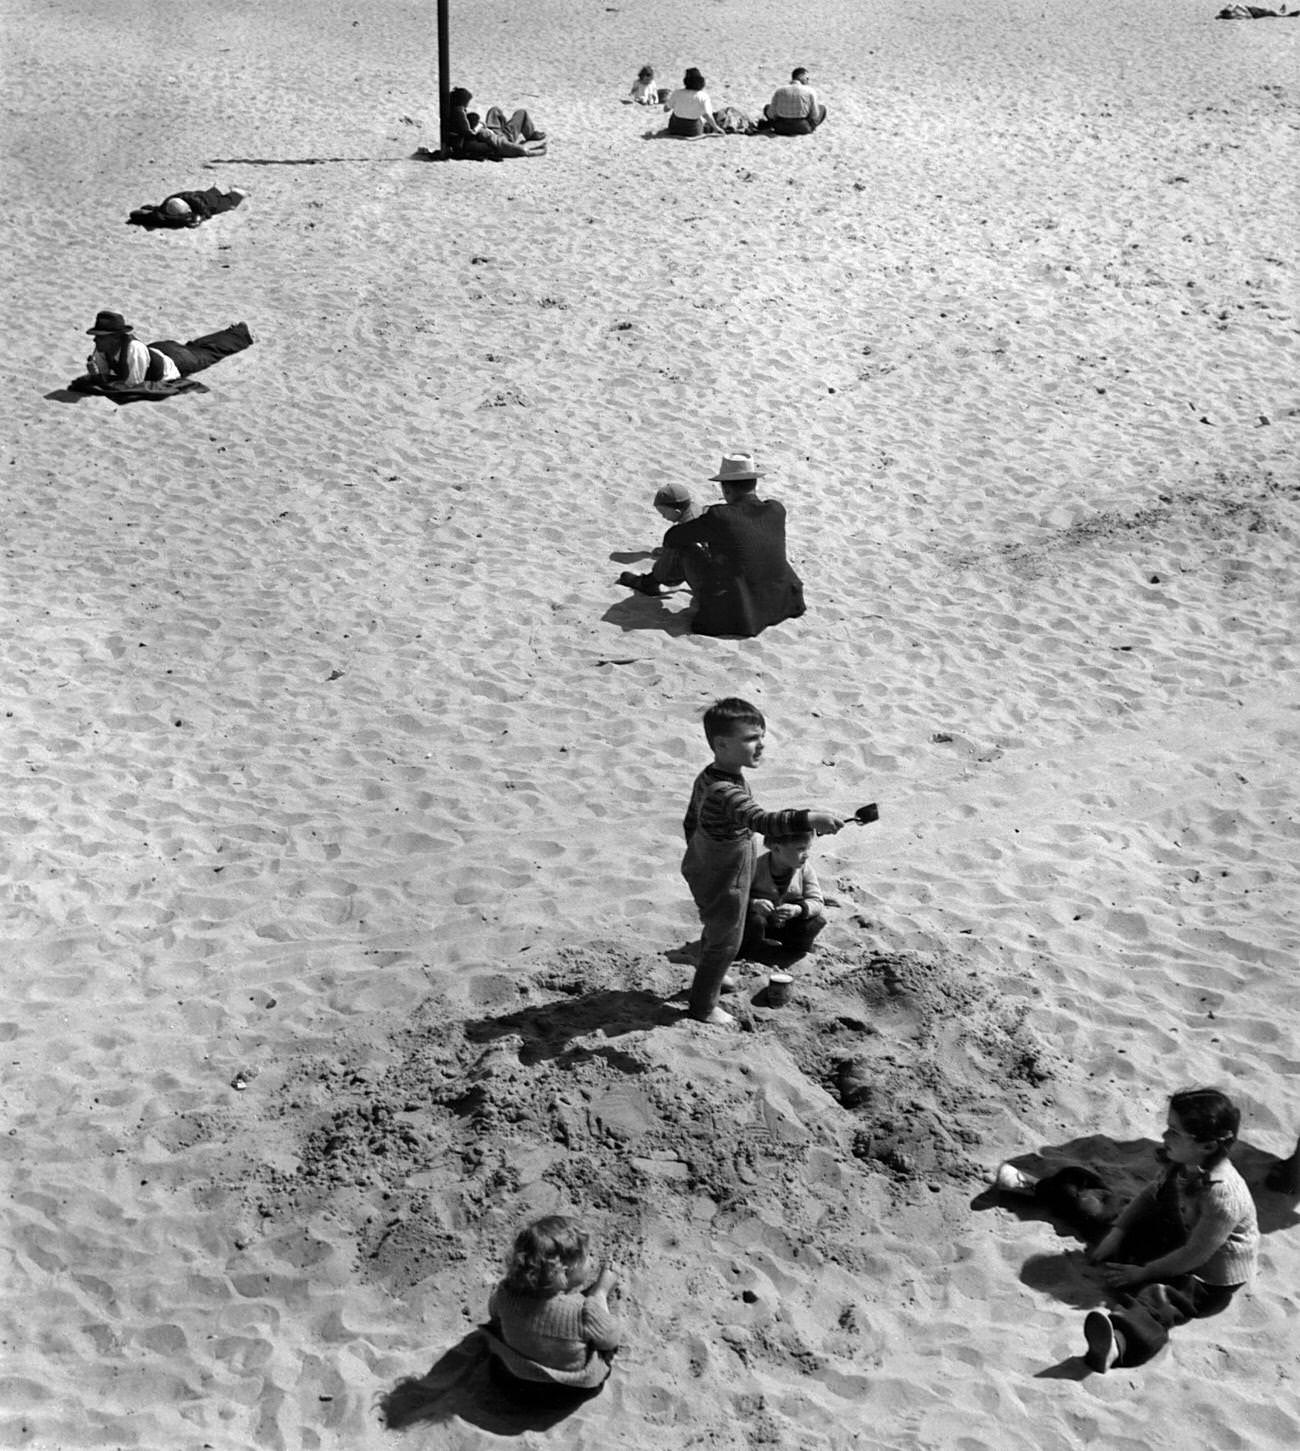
187	208
494	137
120	361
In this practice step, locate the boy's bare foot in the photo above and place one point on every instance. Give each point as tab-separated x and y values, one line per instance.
719	1018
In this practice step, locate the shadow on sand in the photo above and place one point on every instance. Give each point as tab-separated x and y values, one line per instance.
642	612
298	160
548	1030
458	1384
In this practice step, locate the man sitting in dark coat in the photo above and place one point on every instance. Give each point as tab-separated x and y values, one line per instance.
734	556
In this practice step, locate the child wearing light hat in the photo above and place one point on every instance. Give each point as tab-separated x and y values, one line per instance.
677	505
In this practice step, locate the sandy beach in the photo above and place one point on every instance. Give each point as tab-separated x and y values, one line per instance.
341	784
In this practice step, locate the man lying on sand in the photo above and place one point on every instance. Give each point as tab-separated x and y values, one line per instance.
187	208
121	362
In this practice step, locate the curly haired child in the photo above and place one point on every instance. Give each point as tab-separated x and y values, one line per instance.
551	1333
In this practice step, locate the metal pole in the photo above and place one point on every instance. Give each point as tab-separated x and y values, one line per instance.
444	82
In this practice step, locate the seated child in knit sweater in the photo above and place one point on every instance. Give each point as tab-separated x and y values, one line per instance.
786	908
1181	1249
551	1333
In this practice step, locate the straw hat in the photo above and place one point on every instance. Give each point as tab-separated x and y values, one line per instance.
177	206
110	322
736	468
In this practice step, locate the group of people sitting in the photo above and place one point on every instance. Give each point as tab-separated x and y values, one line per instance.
731	555
794	109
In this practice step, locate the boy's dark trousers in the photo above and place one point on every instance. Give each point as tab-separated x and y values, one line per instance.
1146	1315
1142	1324
719	874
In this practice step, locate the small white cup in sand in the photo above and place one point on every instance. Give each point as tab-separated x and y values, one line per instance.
1014	1181
779	987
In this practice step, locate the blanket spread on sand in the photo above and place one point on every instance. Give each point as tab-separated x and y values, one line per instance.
120	393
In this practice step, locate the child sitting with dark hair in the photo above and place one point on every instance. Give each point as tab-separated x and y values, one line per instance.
1181	1249
551	1340
644	92
786	907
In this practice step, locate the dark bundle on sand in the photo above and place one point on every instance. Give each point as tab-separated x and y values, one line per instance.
186	208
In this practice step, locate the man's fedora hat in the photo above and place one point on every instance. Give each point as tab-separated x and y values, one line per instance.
736	468
110	322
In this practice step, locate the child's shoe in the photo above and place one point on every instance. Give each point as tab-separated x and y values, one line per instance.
1103	1346
1014	1181
645	584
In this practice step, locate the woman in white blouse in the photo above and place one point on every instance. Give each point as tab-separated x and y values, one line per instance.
690	107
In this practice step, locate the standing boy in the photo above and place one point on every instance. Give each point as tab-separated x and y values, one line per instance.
719	861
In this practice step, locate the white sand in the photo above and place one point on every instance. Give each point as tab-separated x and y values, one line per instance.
336	764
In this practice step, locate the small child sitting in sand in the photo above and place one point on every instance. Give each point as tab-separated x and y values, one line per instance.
551	1340
1181	1249
720	823
677	505
786	908
644	92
